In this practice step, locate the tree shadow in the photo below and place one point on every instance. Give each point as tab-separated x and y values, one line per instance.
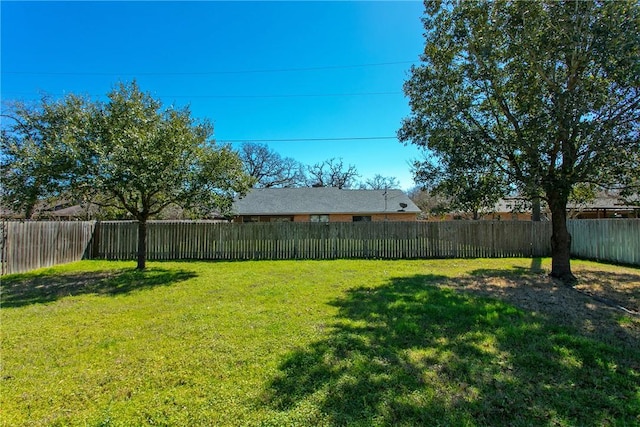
25	289
620	288
535	269
603	303
414	352
536	265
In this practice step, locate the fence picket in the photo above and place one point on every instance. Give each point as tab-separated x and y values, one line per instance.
30	245
391	240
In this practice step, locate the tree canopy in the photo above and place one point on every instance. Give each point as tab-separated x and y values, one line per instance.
379	182
332	173
35	165
469	184
128	154
269	168
145	158
547	92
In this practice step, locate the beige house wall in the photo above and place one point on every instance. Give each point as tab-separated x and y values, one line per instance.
397	216
340	218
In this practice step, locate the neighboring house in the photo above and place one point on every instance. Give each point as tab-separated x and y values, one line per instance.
603	207
49	212
516	209
64	213
76	212
508	209
324	204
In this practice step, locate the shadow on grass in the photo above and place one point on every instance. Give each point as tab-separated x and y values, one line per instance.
412	353
534	269
25	289
613	288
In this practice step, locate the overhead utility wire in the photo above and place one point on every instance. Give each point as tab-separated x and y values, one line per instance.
193	73
361	138
301	95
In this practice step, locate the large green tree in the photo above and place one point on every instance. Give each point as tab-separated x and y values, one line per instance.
548	90
35	165
141	158
470	183
127	154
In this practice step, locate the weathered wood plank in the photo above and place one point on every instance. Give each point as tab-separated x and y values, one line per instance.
29	245
614	240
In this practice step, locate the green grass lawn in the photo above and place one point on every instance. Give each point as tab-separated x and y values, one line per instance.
285	343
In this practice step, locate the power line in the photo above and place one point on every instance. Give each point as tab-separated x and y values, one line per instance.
300	95
194	73
359	138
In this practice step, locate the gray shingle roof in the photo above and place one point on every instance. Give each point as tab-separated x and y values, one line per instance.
323	200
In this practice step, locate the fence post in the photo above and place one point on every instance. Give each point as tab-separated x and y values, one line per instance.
95	241
493	239
3	247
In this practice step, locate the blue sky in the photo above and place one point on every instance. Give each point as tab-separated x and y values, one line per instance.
258	70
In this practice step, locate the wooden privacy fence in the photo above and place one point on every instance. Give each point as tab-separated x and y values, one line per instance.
389	240
30	245
36	244
614	240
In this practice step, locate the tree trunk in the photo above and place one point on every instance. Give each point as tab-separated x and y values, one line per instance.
28	211
560	241
30	208
142	244
535	209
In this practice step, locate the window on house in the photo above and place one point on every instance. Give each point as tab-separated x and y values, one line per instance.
362	218
319	218
281	219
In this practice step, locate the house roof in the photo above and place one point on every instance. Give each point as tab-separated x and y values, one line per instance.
69	211
606	202
45	210
322	200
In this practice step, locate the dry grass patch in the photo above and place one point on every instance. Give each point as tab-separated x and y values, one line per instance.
604	302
